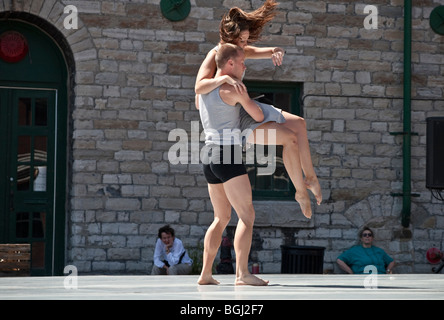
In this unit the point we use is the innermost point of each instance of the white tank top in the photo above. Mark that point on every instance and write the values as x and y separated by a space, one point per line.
221 122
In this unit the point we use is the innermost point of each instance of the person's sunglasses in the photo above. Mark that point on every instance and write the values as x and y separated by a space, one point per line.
366 235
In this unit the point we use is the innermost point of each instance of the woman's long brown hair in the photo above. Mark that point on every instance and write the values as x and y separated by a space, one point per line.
237 20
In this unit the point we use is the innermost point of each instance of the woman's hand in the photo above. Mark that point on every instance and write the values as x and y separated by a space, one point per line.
277 56
237 84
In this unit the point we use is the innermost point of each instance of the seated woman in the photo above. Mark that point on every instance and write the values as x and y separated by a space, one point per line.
355 259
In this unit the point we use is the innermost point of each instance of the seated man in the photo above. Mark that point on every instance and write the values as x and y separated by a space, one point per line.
170 256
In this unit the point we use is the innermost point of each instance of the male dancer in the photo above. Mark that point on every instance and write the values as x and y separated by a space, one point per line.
228 182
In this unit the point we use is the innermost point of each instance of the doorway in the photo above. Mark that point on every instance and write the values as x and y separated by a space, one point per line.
33 147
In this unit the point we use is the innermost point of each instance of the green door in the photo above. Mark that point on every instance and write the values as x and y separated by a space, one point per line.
33 148
27 117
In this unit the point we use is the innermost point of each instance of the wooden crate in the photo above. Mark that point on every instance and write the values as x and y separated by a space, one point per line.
15 260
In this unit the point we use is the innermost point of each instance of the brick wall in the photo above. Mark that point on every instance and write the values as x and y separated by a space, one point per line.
134 80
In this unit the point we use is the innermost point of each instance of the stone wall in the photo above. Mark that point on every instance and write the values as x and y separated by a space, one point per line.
134 79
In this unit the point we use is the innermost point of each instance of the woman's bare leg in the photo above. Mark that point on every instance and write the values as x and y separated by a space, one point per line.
290 154
298 126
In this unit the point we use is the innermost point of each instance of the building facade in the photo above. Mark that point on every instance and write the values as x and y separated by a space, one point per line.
94 94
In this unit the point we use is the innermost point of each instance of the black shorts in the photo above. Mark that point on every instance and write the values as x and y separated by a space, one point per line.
222 163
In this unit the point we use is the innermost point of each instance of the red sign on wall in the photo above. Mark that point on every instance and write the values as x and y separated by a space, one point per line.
13 46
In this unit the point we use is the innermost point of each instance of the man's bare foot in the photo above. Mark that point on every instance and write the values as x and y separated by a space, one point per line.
304 201
204 280
250 280
314 186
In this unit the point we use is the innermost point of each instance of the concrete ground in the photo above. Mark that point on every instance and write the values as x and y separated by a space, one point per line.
281 287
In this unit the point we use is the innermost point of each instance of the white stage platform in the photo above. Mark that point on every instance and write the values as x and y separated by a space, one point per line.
281 287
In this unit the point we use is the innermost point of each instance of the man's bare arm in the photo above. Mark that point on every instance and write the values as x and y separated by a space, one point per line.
230 96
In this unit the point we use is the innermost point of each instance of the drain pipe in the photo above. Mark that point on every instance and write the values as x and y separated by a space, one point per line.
406 148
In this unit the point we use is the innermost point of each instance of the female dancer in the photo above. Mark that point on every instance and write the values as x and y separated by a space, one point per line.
242 29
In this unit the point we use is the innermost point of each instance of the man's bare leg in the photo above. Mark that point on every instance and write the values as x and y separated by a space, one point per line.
213 237
238 191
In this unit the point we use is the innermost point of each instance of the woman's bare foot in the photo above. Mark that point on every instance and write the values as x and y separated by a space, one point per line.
314 186
304 201
250 280
207 280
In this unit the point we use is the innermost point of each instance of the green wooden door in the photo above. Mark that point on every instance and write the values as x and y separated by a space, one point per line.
33 149
28 169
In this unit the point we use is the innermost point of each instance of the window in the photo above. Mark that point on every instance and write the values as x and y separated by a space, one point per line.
286 96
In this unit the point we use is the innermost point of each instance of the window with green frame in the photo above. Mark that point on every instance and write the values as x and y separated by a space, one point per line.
285 96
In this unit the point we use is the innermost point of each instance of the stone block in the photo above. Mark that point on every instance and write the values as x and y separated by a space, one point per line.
122 204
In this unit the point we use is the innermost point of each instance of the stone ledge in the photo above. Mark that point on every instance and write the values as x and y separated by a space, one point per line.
283 214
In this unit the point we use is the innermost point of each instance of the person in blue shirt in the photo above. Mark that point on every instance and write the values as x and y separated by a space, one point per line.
355 259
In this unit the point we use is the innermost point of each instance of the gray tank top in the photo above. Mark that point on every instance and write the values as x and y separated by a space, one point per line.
221 122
